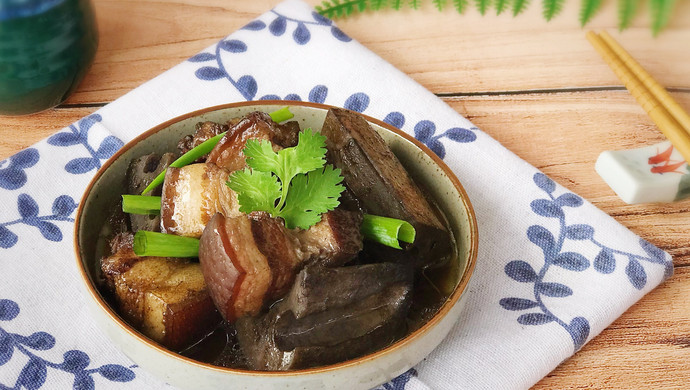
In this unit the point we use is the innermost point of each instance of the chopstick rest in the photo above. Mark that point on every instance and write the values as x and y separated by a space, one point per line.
657 173
649 174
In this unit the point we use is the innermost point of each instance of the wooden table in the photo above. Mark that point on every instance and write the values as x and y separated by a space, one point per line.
537 87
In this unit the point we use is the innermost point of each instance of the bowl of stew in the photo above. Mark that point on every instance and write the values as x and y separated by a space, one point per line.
264 305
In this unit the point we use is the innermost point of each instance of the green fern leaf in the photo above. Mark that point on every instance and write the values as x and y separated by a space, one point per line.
439 4
483 5
377 4
396 4
501 6
552 8
336 8
415 4
460 5
626 11
661 13
588 9
519 6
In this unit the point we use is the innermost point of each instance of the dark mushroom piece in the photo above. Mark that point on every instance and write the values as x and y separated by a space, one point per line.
383 187
360 310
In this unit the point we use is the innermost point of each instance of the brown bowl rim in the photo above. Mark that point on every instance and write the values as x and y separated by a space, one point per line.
443 311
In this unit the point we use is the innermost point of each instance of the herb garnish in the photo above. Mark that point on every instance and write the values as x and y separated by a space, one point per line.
292 184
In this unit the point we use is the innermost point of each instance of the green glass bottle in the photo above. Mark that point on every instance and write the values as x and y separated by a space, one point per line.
46 47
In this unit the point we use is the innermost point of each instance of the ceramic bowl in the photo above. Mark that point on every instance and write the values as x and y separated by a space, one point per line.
361 373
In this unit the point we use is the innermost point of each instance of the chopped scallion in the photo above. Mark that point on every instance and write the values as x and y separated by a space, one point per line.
164 245
140 204
205 147
387 231
281 115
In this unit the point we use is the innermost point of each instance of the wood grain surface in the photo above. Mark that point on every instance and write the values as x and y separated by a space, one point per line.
537 87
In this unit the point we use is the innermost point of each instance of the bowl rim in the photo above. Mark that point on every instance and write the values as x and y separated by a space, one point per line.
452 299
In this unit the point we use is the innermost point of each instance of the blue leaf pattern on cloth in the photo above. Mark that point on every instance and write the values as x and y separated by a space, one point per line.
301 34
395 119
28 210
605 262
357 102
553 207
202 57
210 73
520 271
27 206
571 261
425 132
254 25
535 319
34 373
556 290
233 46
517 304
293 97
579 331
400 382
80 136
579 232
636 274
318 94
278 26
339 34
12 175
320 19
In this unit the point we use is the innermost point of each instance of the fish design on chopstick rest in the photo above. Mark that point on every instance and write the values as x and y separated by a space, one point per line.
656 173
662 162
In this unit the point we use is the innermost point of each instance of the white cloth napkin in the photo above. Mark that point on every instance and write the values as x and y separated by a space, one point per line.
552 271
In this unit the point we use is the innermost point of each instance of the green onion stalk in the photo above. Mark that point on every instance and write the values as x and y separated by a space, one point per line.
148 243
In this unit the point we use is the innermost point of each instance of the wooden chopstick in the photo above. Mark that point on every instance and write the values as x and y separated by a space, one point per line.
652 85
664 120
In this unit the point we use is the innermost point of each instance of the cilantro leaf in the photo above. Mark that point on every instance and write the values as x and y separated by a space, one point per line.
292 183
260 156
311 195
309 154
256 190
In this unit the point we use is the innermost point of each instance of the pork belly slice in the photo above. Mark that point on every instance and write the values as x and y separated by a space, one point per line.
240 276
332 242
192 195
140 174
256 125
360 322
382 185
203 132
165 298
250 260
